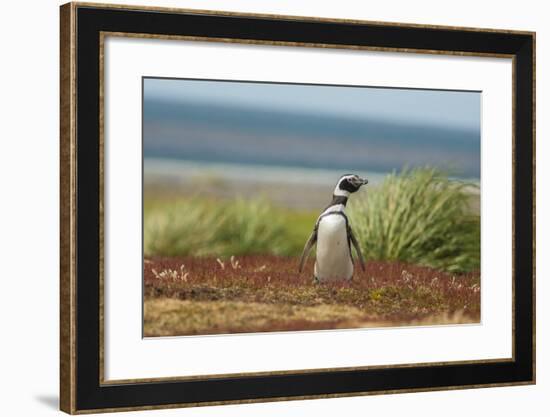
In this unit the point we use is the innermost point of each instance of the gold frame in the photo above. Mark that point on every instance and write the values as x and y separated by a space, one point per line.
68 192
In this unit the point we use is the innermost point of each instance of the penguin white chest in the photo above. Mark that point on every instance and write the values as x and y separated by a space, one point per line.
333 252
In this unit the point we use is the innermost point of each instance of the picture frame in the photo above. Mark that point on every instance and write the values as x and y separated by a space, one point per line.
84 28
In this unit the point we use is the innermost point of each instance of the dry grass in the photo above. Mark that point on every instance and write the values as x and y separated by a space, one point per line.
167 316
191 295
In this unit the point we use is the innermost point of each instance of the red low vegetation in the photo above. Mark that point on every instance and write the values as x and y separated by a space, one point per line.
386 291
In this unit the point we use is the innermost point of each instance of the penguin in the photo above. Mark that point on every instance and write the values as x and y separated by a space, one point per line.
334 236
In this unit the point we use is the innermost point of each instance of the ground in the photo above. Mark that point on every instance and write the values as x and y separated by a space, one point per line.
194 295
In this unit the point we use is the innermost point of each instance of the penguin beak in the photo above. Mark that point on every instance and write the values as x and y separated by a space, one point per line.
359 182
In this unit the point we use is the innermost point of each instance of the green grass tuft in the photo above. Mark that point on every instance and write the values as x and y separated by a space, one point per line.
198 227
419 216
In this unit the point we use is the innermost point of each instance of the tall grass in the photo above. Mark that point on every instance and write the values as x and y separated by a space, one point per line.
199 227
418 216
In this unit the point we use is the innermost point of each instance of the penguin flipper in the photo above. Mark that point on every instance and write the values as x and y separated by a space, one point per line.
357 248
307 248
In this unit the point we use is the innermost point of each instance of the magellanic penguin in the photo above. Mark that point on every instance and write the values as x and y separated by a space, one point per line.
333 235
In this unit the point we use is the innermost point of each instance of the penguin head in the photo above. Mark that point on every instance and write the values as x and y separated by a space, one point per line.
348 184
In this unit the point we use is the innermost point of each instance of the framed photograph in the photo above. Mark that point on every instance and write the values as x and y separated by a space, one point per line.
264 208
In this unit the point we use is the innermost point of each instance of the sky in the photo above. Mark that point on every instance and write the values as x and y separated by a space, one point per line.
312 126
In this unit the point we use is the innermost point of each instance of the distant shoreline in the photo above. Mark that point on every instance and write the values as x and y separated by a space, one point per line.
296 188
175 170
